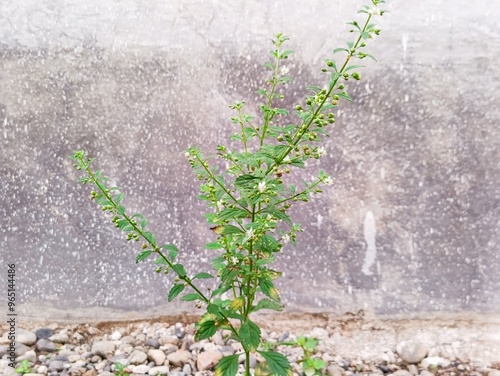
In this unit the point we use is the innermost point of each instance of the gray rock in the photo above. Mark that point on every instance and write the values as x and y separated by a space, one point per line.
56 365
179 358
44 333
401 372
103 348
128 339
152 342
28 355
435 361
412 368
3 350
157 357
426 373
44 345
412 351
187 369
140 369
161 370
494 373
137 357
25 337
283 336
334 370
59 338
207 360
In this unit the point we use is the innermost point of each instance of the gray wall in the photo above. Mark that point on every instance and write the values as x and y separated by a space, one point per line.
414 157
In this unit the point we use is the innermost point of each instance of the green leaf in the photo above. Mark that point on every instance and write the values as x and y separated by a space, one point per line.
160 261
232 214
150 238
267 304
120 210
345 96
179 269
213 245
277 362
172 251
278 214
206 330
175 290
227 366
268 289
352 67
143 256
144 222
249 334
246 181
229 229
203 275
191 297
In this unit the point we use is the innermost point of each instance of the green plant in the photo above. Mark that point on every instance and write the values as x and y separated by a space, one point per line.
311 365
23 367
249 201
120 369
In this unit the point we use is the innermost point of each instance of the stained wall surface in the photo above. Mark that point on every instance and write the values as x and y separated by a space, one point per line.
411 223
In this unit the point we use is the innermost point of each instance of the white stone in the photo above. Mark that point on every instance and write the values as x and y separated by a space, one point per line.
435 361
157 356
412 351
208 359
116 335
25 337
103 348
137 357
179 357
59 338
161 370
141 369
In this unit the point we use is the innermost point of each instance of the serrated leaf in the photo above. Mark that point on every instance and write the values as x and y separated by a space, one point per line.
144 222
206 330
179 269
172 251
351 67
249 335
213 245
150 237
345 96
227 366
267 304
143 256
268 289
277 362
175 290
203 275
340 49
120 210
191 297
229 229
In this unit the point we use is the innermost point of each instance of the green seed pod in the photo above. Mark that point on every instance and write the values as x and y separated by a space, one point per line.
341 86
329 63
298 107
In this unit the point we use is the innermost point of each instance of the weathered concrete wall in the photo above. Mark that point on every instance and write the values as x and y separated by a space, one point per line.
411 224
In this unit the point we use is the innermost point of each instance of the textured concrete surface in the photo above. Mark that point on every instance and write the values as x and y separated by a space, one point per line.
410 225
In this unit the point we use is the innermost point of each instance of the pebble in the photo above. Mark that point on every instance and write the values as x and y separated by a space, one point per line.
25 337
160 349
103 348
412 351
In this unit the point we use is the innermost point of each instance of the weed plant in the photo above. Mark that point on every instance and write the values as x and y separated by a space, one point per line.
249 194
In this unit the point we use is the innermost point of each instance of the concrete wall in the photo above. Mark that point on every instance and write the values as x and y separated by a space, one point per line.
410 225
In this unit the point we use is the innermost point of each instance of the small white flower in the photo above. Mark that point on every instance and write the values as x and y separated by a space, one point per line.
284 70
220 205
287 159
234 260
321 151
248 234
328 181
186 154
262 186
375 11
285 239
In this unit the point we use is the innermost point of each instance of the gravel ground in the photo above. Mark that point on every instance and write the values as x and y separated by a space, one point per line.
351 344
